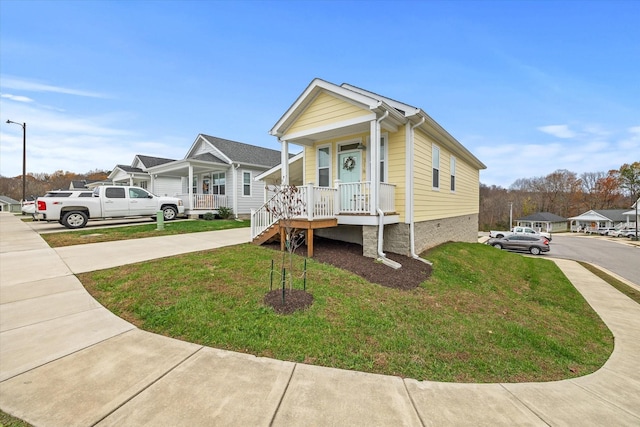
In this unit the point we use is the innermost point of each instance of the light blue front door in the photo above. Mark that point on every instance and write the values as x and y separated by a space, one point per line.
352 197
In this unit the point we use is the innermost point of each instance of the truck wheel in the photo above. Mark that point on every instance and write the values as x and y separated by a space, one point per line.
75 219
497 245
169 213
534 250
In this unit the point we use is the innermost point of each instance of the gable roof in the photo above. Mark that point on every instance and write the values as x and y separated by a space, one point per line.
543 217
8 200
127 168
394 114
239 152
615 215
149 161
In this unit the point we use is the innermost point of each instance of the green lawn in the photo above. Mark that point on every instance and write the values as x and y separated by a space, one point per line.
94 235
483 316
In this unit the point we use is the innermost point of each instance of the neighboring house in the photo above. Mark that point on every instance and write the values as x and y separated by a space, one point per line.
376 172
633 216
84 184
216 173
544 221
7 204
591 220
136 174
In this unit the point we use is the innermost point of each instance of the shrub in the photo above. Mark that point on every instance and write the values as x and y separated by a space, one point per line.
225 212
209 216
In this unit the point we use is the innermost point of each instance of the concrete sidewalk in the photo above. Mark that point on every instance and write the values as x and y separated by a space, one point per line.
67 361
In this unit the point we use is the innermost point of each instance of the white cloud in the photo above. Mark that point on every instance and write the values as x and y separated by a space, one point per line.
559 131
31 86
16 98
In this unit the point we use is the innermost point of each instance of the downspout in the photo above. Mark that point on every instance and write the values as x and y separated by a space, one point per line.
376 162
412 222
235 190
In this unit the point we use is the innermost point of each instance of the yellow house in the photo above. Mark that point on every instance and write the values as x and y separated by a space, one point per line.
374 171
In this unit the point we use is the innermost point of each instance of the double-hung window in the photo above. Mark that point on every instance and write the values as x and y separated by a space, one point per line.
219 182
246 183
324 166
453 173
435 161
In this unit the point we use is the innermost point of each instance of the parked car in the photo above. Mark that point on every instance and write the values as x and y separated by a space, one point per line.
626 232
527 231
604 231
517 242
73 211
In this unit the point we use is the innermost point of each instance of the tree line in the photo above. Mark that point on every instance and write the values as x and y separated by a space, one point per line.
37 184
562 192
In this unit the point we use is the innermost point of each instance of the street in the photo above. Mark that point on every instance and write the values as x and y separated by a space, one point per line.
617 255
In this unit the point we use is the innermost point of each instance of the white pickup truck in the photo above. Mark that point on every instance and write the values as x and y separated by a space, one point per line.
109 201
519 230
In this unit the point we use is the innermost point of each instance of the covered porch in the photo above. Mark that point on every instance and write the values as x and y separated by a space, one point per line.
347 203
201 185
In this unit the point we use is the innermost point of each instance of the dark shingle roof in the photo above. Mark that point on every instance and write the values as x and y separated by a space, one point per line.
128 168
613 214
149 161
240 152
8 200
543 217
209 158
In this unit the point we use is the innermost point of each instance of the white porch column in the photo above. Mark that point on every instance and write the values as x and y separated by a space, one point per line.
153 183
375 165
284 170
190 187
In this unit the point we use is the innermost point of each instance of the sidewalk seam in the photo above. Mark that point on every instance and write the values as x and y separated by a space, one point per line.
532 410
284 392
133 396
413 404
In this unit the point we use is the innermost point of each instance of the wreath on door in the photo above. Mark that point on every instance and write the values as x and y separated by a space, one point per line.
349 163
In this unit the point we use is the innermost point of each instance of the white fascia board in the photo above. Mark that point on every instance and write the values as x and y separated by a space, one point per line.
278 167
314 88
431 127
408 109
333 126
216 152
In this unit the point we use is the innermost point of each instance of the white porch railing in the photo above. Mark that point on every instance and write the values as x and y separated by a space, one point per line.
323 202
204 201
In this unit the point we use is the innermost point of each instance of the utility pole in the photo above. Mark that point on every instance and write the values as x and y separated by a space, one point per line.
24 157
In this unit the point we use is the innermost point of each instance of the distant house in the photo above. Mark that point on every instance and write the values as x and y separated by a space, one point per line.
633 215
591 220
136 174
214 173
376 172
7 204
544 221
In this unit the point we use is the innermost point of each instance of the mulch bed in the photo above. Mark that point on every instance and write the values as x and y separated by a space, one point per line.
348 256
295 299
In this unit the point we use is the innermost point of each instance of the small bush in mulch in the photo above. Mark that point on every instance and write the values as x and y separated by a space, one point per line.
348 256
295 299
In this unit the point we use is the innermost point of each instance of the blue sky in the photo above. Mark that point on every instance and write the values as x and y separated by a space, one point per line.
529 87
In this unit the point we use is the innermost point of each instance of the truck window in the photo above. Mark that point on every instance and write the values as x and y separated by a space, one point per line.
137 193
114 193
85 194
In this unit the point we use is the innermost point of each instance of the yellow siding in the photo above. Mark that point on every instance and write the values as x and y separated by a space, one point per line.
324 110
397 168
434 204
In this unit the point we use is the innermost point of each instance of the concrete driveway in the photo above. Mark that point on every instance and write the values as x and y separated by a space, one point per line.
617 255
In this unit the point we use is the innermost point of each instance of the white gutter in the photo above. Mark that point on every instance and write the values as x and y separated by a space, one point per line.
376 161
235 189
410 191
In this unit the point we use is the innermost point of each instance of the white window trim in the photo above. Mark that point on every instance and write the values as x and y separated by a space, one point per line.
330 167
250 184
384 136
433 152
452 173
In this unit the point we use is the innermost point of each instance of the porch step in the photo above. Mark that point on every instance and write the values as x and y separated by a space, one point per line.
270 233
